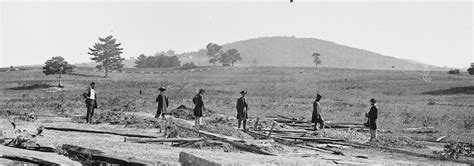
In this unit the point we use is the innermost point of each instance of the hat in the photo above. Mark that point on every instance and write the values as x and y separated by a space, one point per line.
162 88
243 92
318 96
202 91
373 100
92 83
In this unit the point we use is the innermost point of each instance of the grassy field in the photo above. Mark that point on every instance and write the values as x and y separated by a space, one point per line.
405 98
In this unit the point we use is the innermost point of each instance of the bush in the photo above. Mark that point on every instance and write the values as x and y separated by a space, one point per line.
189 65
453 71
471 70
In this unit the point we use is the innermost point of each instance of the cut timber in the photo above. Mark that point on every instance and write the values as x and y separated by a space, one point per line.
287 131
440 138
98 155
151 140
256 124
284 117
327 149
227 140
98 132
420 130
41 158
270 132
290 121
312 138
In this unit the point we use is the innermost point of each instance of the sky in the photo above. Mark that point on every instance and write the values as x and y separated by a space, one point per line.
433 32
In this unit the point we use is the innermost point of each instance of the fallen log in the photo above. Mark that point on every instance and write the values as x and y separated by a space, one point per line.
35 157
227 140
98 132
327 149
100 156
152 140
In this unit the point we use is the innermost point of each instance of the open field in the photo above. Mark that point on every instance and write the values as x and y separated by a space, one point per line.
406 99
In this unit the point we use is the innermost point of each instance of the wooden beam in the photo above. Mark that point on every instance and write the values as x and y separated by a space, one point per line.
152 140
35 157
288 131
312 138
256 124
227 140
270 132
99 155
98 132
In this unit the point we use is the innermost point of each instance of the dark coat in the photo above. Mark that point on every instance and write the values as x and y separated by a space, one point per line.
162 103
90 102
372 115
316 117
198 105
242 108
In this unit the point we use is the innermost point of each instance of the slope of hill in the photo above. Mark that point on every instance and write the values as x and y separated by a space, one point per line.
292 51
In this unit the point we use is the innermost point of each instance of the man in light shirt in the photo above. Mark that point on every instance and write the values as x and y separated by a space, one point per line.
91 102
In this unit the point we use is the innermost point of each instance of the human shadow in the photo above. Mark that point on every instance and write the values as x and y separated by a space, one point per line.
31 87
469 90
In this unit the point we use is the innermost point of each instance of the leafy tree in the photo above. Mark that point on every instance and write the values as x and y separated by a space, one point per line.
157 61
107 52
230 57
57 65
471 70
316 59
215 52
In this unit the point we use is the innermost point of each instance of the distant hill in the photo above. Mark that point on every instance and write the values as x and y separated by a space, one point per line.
292 51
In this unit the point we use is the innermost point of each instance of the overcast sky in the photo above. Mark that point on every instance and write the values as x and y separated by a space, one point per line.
432 32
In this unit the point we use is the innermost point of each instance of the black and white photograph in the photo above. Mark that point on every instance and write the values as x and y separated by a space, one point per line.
236 82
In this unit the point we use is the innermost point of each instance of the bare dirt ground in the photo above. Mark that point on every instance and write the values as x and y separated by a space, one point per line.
165 154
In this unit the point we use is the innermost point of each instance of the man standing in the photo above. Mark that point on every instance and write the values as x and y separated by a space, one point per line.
162 103
242 109
316 118
91 102
198 107
372 115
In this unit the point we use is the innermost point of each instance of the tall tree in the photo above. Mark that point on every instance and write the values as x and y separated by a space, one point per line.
214 52
316 59
107 52
234 56
230 57
57 65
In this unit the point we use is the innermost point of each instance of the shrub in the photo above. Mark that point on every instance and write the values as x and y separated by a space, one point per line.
189 65
471 70
453 71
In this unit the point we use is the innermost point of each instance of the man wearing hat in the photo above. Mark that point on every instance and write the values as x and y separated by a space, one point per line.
198 107
242 109
91 102
372 115
162 101
316 118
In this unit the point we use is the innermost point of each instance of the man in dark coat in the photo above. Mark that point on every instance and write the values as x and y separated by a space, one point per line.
372 116
242 109
198 106
316 118
163 103
91 102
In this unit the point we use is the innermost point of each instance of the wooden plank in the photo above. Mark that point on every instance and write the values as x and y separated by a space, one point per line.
151 140
36 157
288 131
312 138
99 155
98 132
290 121
225 139
270 132
256 124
